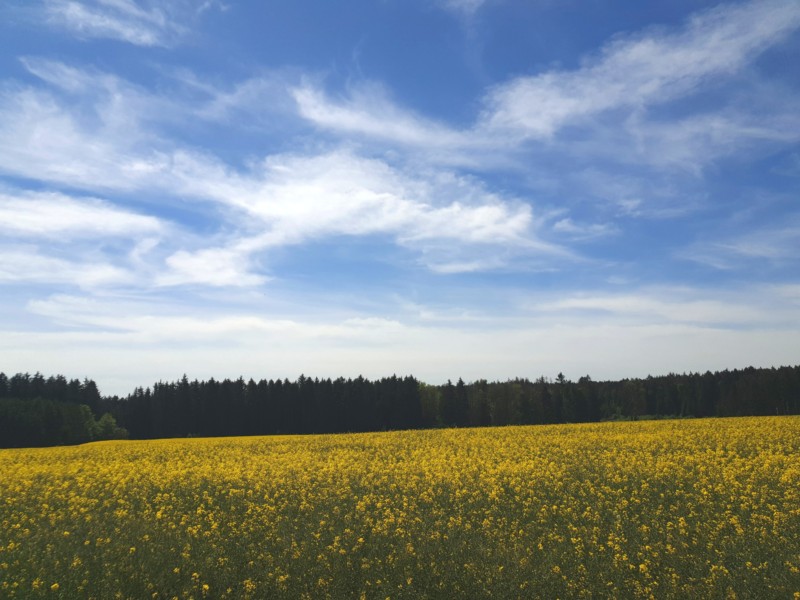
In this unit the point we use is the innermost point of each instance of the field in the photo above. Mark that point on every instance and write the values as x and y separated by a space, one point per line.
665 509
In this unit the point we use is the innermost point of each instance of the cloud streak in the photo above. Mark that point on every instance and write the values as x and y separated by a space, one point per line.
453 222
449 219
634 73
368 111
27 264
50 214
138 23
623 97
773 245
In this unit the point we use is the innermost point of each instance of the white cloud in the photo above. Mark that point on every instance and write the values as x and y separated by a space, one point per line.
632 193
148 322
368 111
26 264
40 141
339 193
583 231
293 199
59 240
255 96
95 97
96 132
650 69
608 109
649 308
118 20
452 221
139 23
103 141
765 306
66 77
58 215
343 193
450 266
262 99
102 103
287 199
691 143
210 266
775 245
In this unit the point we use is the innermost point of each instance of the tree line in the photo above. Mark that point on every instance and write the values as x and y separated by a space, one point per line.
35 411
238 407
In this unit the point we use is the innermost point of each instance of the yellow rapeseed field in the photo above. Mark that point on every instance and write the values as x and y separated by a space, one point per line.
661 509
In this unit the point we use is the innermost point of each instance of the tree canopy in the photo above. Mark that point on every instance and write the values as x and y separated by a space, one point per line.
35 410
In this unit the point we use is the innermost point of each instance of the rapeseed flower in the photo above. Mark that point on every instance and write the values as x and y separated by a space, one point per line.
669 509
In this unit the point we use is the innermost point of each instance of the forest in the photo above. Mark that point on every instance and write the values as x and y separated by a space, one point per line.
39 411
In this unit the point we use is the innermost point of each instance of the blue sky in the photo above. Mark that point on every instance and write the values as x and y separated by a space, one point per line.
444 188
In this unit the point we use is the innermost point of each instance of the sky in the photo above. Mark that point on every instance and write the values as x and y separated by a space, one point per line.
442 188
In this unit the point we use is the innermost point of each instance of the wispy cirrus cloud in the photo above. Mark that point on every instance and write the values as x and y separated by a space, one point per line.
584 231
774 245
691 143
29 264
343 193
367 112
82 127
635 72
637 194
229 266
264 98
57 239
98 132
761 306
142 23
621 98
147 321
52 214
453 223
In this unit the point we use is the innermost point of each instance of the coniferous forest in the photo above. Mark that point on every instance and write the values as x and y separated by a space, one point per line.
39 411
